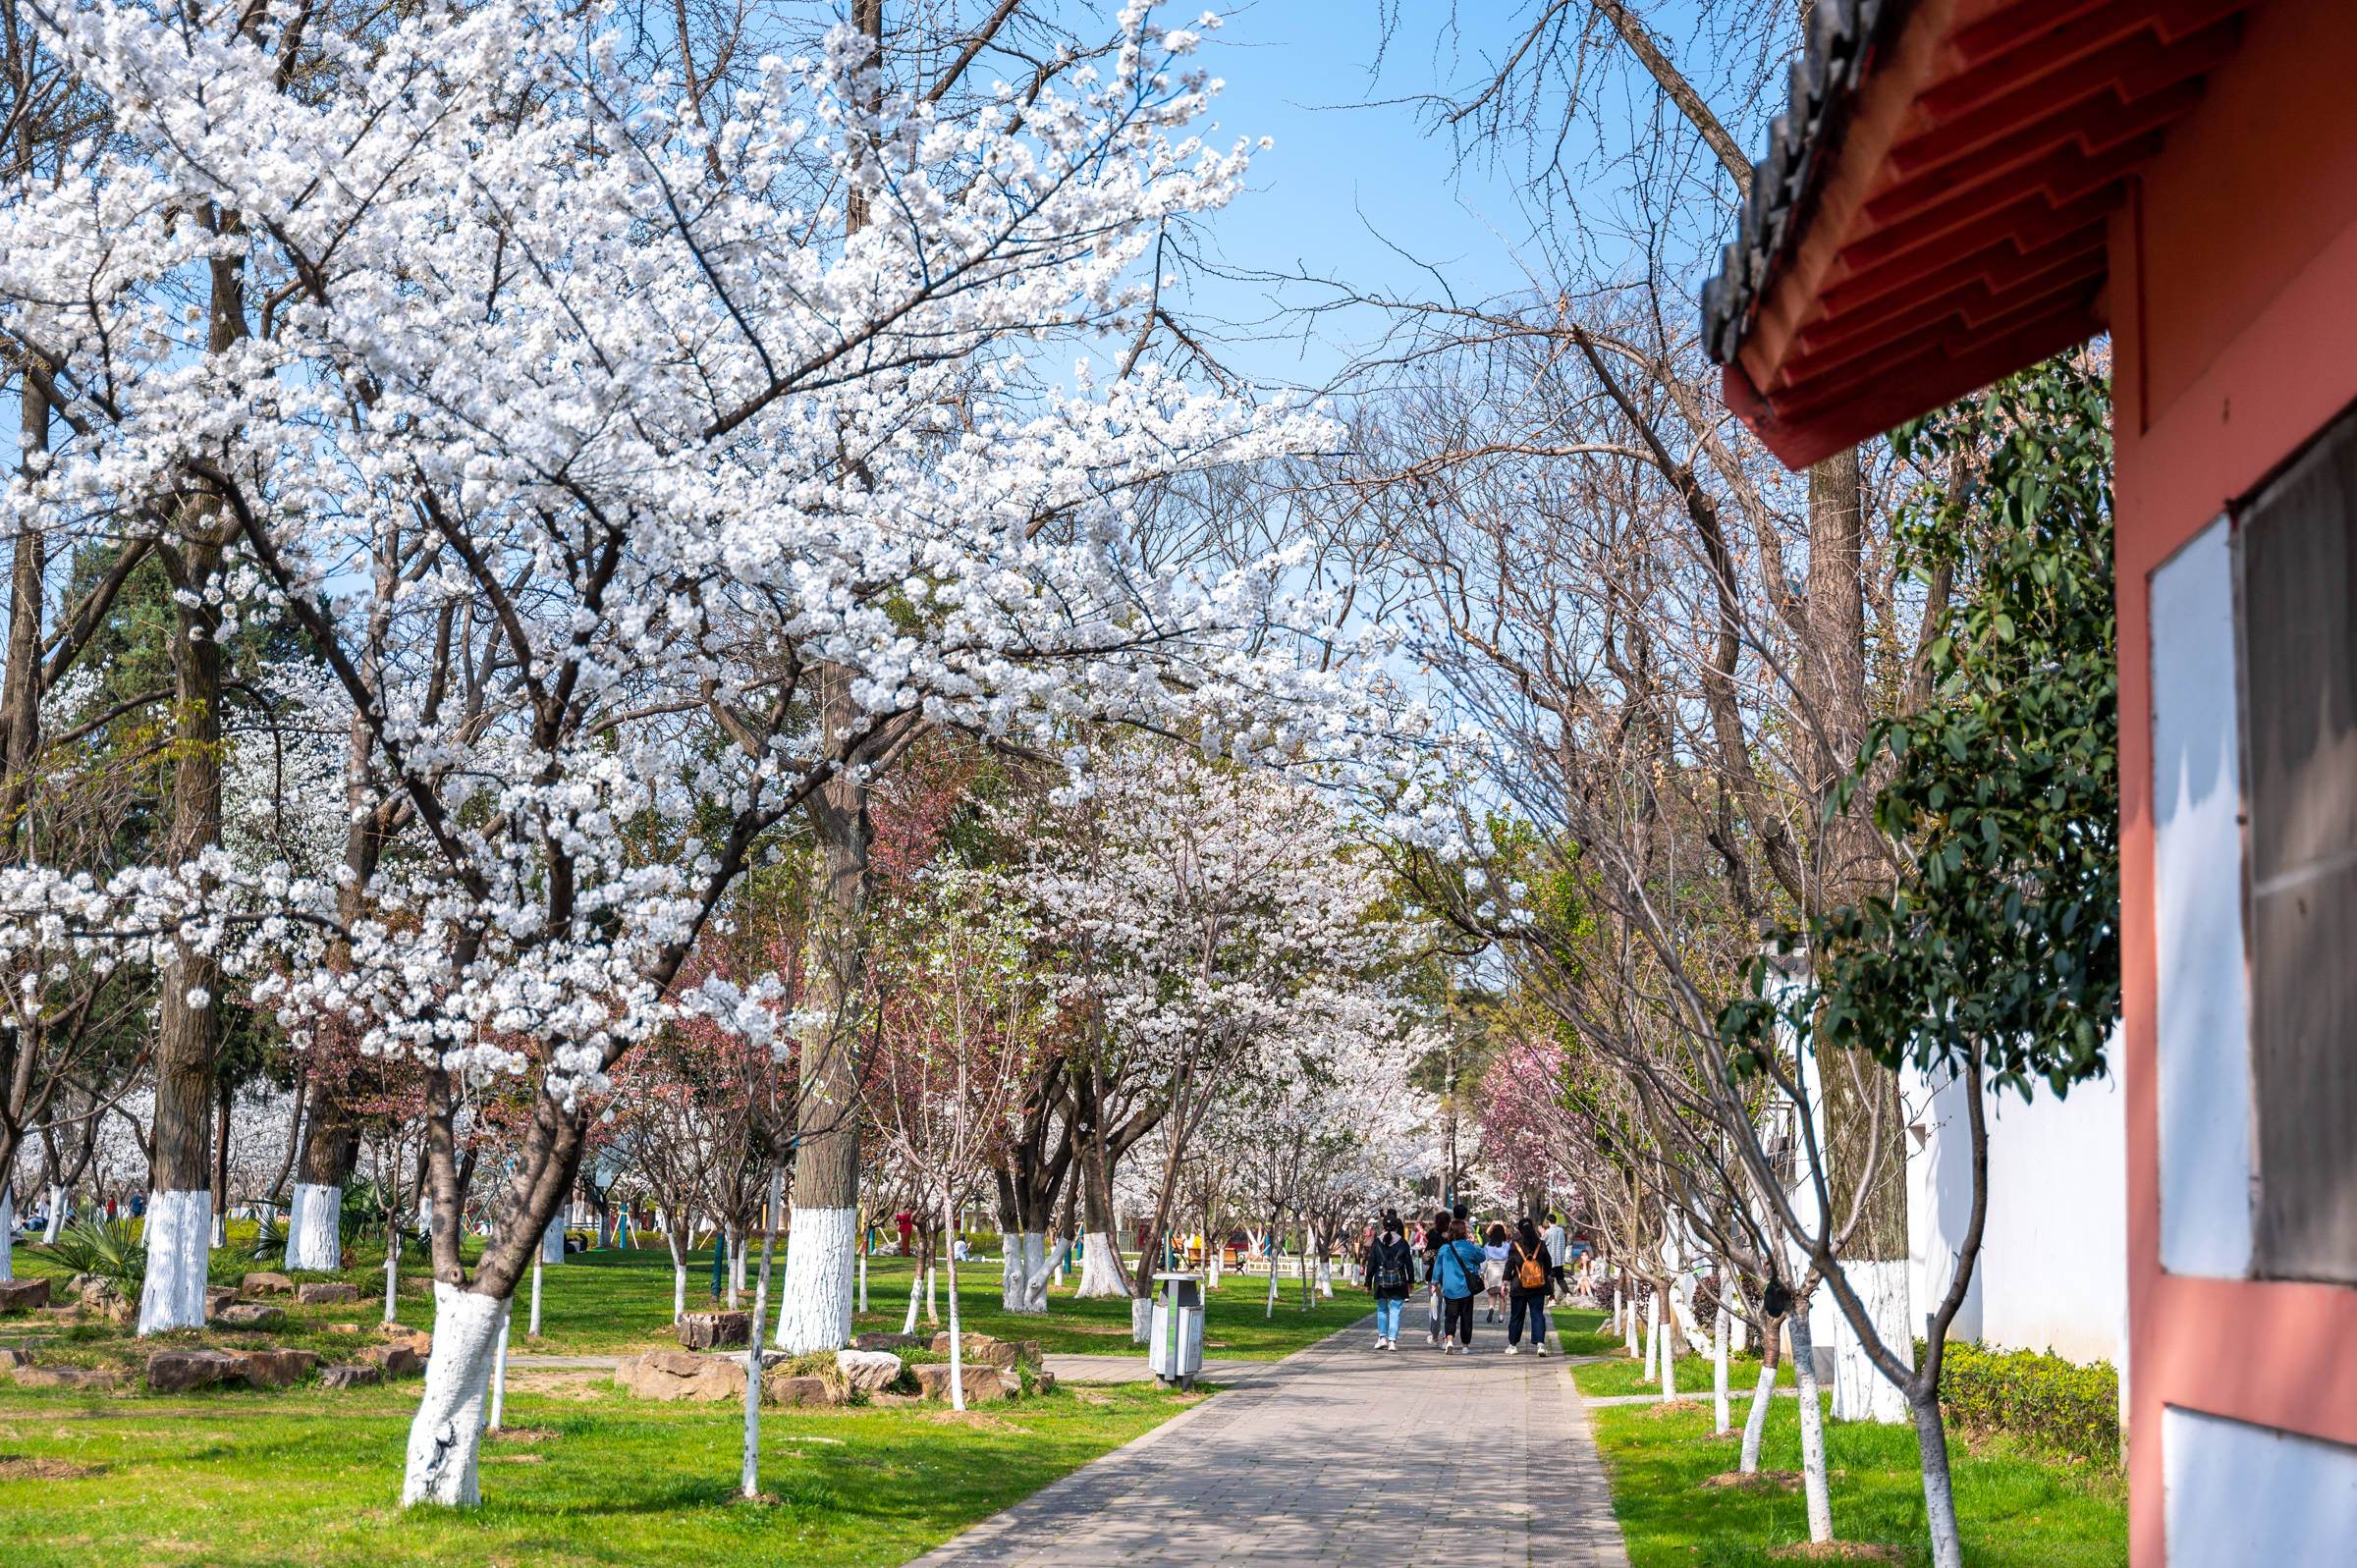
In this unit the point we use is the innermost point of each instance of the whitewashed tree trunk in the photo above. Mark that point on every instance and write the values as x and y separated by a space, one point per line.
1142 1315
1755 1421
315 1238
178 1234
221 1229
1325 1280
750 1480
534 1330
1719 1409
8 1233
1812 1430
1938 1487
57 1214
551 1246
916 1290
862 1277
392 1267
932 1307
814 1304
447 1432
678 1276
1100 1273
956 1337
1026 1272
1011 1272
1628 1326
1653 1336
1215 1270
499 1368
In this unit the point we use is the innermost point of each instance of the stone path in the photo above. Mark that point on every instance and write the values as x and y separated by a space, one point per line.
1338 1454
1133 1369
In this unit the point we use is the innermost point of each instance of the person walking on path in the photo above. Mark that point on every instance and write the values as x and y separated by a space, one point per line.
1493 1248
1436 1236
1531 1272
1459 1275
1558 1248
1390 1274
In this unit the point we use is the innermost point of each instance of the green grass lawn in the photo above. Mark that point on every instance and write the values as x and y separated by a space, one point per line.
2018 1509
311 1477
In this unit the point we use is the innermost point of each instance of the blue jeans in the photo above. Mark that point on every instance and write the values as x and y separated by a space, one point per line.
1387 1316
1534 1306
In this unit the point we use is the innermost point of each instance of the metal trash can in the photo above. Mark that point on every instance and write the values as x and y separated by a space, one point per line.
1175 1347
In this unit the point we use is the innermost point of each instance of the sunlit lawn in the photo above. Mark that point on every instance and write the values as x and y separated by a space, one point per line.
311 1477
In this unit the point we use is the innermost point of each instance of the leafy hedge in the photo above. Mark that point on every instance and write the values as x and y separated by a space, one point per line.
2043 1398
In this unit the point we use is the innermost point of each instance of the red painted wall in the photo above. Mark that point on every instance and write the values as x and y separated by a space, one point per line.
2234 302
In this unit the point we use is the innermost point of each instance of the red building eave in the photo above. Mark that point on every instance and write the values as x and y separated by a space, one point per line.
1933 209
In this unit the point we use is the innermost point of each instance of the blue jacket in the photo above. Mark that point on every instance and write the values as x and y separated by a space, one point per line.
1459 1267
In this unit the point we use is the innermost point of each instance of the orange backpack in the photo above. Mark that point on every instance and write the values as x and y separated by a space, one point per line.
1532 1276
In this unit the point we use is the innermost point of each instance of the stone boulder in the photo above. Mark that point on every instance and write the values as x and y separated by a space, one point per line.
175 1372
420 1342
670 1375
217 1297
1005 1354
10 1358
891 1342
250 1314
278 1369
981 1383
349 1376
325 1293
710 1330
868 1369
23 1295
266 1285
394 1361
64 1378
780 1390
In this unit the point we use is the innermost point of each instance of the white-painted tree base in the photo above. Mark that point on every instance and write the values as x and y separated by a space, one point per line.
814 1304
179 1236
1100 1275
1860 1391
314 1240
1755 1421
1141 1318
448 1431
8 1236
1024 1275
57 1216
552 1248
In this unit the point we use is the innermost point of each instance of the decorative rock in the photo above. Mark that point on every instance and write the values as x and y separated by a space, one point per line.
418 1339
709 1331
64 1378
217 1297
783 1391
12 1358
1043 1381
261 1283
868 1369
248 1313
349 1376
23 1295
395 1361
1002 1353
891 1342
343 1327
278 1369
670 1375
325 1292
175 1372
982 1383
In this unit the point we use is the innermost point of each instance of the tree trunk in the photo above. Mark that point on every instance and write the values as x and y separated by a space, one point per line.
957 1336
814 1303
330 1145
1812 1425
751 1481
446 1433
1939 1489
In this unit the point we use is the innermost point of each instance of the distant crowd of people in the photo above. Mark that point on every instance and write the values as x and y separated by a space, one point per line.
1517 1271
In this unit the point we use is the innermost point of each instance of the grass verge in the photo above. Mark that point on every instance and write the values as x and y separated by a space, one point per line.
592 1477
2017 1509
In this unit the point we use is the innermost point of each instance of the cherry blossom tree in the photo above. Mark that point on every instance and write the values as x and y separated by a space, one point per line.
707 504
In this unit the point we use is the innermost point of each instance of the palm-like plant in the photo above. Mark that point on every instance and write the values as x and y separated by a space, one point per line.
112 1249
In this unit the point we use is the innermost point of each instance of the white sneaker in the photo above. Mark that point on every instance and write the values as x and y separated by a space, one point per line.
1514 1350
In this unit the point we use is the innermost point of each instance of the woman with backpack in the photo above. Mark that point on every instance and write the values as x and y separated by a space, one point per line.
1390 1274
1530 1273
1459 1274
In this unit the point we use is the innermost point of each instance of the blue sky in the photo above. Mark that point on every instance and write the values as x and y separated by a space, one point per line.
1354 185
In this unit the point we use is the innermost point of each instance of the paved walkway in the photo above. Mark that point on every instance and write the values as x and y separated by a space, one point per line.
1336 1455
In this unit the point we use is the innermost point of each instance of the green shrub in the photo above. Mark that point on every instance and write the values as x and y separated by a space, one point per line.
2041 1398
111 1249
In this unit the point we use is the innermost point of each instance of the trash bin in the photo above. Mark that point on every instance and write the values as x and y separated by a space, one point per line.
1174 1350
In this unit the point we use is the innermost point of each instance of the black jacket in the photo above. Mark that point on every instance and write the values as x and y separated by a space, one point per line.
1513 1271
1394 1251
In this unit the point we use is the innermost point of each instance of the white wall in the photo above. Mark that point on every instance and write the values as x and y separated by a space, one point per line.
2053 1267
2201 1013
2237 1495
